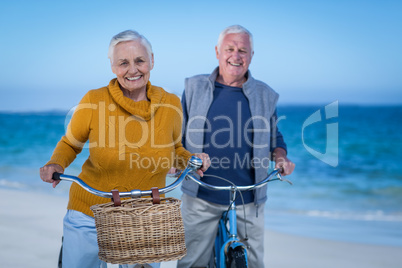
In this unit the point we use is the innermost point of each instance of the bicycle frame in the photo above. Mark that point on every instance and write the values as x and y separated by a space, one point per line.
227 235
226 238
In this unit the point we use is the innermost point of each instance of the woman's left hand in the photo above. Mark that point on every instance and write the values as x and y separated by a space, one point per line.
206 162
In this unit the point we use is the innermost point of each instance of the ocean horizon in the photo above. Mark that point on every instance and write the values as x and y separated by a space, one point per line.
347 184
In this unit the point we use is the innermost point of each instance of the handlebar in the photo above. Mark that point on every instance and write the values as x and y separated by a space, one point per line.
193 164
274 175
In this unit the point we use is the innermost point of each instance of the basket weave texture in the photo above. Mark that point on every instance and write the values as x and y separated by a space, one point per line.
139 231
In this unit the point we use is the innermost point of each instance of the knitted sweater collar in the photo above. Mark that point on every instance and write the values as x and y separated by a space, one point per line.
144 109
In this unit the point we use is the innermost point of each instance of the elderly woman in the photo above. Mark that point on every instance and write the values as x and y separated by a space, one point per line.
134 134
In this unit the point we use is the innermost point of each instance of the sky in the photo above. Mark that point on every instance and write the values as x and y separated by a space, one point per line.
310 52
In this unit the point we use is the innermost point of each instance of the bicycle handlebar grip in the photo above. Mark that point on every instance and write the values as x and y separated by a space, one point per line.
56 176
281 170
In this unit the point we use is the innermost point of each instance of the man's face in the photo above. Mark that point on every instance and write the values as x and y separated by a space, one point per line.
234 55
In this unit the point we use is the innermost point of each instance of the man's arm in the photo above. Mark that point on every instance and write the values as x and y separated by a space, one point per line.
279 148
185 118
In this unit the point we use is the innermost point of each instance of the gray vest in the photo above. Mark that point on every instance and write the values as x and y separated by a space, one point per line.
262 100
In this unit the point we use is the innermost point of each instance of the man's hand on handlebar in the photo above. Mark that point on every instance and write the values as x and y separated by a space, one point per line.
206 162
282 162
46 173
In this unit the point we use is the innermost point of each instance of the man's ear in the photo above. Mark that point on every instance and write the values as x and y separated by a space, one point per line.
217 52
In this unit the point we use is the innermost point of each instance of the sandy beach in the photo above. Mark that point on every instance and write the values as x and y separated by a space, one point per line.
31 231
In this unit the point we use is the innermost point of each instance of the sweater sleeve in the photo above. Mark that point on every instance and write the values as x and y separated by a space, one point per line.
77 134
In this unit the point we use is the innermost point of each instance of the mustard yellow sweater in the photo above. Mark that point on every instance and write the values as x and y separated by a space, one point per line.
132 145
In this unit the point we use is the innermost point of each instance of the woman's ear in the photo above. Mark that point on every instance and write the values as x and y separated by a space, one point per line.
112 67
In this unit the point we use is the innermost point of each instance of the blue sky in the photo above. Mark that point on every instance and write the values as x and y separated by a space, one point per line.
53 52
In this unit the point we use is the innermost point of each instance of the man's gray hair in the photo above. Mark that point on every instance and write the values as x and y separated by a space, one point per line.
129 35
234 29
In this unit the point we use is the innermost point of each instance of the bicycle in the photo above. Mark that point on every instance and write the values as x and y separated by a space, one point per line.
108 220
229 251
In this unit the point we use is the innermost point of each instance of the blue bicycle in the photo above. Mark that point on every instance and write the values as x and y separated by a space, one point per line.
229 251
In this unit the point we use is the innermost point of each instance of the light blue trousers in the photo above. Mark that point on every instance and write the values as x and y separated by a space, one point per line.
80 245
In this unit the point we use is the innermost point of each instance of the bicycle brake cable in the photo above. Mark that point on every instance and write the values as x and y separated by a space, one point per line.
242 200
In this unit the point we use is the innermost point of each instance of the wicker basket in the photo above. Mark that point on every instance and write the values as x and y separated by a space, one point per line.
139 231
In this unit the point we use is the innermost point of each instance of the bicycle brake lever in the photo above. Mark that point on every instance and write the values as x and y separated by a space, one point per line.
176 174
288 181
282 179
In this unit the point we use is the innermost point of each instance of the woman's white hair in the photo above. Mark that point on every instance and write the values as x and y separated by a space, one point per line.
234 29
129 35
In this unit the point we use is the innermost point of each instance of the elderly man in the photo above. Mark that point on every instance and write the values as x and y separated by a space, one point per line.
232 117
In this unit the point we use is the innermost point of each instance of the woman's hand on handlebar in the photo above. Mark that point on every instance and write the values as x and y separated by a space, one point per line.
46 173
206 162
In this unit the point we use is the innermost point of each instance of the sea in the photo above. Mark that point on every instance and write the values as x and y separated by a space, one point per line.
347 184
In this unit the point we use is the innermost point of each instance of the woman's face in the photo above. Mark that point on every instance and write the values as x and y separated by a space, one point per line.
132 65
